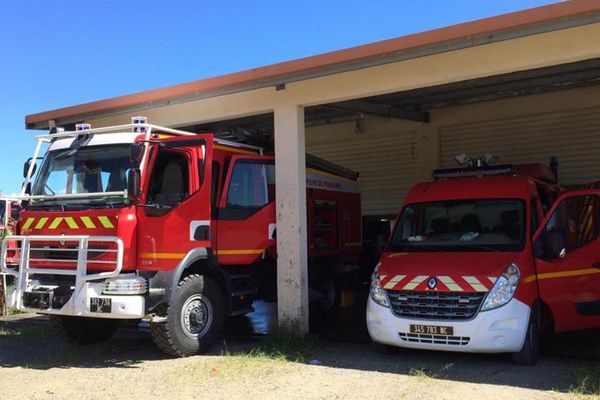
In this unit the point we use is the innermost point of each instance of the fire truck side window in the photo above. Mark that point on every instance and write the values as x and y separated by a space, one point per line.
169 183
249 185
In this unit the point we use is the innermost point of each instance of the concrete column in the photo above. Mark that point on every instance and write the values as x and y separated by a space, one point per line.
292 259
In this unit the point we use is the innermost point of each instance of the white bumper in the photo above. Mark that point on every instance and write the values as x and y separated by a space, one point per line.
496 331
123 306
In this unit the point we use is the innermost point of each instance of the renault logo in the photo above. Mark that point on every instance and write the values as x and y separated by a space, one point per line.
62 240
432 283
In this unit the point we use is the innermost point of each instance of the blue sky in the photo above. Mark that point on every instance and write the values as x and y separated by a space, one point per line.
58 53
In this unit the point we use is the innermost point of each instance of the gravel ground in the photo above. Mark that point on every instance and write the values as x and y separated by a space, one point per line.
33 365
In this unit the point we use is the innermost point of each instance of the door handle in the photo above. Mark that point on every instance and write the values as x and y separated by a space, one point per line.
596 264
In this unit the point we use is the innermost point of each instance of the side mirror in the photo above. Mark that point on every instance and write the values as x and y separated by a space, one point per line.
136 152
133 180
554 244
26 167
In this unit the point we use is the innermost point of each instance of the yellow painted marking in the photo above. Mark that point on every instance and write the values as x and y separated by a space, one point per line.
71 222
475 283
163 256
105 222
28 223
55 223
382 277
394 281
41 223
415 282
562 274
449 282
238 252
529 279
492 279
87 221
234 149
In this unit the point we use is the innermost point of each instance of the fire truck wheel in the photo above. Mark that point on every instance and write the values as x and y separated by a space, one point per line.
83 330
530 352
194 318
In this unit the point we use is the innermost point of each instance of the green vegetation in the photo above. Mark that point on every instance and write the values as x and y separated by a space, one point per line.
29 331
426 373
587 381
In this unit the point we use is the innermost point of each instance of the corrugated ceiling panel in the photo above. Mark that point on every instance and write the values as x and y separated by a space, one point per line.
385 161
573 136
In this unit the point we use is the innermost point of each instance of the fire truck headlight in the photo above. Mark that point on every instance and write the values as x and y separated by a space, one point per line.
377 293
504 289
125 285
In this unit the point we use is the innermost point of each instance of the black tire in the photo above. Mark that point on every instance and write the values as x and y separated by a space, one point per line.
530 352
194 318
83 330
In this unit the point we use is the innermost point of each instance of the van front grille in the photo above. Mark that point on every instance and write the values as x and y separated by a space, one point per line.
435 305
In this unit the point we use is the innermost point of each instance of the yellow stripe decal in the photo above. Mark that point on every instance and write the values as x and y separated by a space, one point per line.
87 221
449 282
475 283
163 256
238 252
562 274
492 279
415 282
55 223
394 281
28 223
41 223
71 222
105 222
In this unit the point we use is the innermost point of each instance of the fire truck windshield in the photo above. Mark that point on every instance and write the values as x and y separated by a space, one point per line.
461 225
90 169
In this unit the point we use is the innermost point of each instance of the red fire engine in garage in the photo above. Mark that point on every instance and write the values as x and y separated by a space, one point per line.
483 259
145 222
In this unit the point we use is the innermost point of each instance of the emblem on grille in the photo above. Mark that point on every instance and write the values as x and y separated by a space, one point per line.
62 241
432 283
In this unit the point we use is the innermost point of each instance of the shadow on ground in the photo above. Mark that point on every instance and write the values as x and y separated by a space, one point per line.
342 342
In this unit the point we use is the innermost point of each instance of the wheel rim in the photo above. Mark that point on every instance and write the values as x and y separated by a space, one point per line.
196 316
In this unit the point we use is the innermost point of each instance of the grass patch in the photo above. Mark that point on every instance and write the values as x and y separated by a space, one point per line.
286 345
427 373
587 381
28 331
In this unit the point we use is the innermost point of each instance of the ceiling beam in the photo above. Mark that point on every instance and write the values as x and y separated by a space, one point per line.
380 110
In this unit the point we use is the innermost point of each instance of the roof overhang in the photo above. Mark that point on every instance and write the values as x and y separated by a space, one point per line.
480 32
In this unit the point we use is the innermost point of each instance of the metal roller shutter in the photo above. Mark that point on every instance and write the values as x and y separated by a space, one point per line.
385 161
573 136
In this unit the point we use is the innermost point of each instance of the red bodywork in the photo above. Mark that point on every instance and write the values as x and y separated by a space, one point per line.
568 288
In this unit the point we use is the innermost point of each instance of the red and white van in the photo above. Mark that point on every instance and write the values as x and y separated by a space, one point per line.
484 260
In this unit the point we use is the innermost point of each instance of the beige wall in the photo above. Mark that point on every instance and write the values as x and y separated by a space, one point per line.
392 155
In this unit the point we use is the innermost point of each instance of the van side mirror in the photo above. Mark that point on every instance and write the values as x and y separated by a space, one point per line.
26 167
136 152
133 178
551 245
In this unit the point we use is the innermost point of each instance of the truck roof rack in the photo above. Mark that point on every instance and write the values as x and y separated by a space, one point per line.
473 171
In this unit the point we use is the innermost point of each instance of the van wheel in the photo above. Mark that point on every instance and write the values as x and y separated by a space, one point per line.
530 352
83 330
194 318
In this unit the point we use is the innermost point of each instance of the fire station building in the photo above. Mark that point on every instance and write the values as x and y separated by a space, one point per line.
522 86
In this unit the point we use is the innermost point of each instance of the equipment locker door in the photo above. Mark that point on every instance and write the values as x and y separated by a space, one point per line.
246 213
567 249
175 211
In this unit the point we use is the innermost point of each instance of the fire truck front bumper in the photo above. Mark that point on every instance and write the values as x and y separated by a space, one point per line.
495 331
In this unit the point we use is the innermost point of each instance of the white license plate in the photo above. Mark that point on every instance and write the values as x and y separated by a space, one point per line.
432 330
100 305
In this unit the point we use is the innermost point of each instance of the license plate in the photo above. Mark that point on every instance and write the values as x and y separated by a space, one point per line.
432 330
101 305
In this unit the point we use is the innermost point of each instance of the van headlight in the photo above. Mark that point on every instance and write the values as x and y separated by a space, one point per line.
125 284
504 289
377 293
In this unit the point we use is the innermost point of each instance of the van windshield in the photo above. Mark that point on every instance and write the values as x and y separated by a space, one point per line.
461 225
93 169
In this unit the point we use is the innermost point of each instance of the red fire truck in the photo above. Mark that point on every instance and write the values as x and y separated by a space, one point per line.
483 259
145 222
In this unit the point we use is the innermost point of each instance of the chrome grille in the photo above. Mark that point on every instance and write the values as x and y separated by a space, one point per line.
435 305
434 339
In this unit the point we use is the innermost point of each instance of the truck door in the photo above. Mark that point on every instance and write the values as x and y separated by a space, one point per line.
175 212
567 250
246 213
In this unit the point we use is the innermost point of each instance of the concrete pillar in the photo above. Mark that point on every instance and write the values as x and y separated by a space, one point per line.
292 259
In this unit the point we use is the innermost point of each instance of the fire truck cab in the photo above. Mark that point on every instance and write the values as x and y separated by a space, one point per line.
145 222
484 259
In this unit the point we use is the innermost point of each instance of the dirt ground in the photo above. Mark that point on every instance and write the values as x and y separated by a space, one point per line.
33 365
